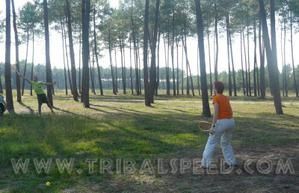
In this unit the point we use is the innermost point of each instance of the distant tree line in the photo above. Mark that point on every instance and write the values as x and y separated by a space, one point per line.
63 84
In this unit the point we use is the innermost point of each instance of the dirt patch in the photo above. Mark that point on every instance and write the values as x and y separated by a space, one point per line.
212 183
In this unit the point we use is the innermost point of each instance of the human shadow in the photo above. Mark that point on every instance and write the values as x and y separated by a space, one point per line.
31 111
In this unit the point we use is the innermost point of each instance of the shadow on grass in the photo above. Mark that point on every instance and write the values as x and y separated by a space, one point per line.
31 111
123 133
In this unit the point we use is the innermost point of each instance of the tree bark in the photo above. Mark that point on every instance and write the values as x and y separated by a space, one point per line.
111 64
85 50
67 58
216 42
48 61
210 64
26 61
271 56
131 68
145 54
153 69
262 64
32 65
233 65
91 69
228 56
64 62
246 65
242 64
18 81
123 69
9 96
96 52
172 54
72 53
292 56
204 85
255 61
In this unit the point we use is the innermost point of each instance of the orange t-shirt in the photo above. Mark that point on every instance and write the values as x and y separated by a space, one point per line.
225 110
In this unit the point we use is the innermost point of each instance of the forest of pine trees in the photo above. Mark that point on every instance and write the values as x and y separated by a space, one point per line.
154 35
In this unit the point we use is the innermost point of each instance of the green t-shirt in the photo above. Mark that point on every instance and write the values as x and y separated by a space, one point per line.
38 87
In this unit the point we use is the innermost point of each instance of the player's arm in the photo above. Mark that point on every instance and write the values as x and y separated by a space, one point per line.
216 113
49 83
215 117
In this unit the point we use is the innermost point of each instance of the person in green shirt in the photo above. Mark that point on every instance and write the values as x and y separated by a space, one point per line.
38 88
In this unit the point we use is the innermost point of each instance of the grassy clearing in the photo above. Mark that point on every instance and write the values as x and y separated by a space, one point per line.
121 127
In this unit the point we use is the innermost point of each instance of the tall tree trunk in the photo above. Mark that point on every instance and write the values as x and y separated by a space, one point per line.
228 56
18 81
183 66
255 60
177 68
188 68
96 52
72 53
111 64
249 62
292 56
116 70
271 55
64 62
137 74
26 60
48 61
233 65
198 76
210 64
172 54
9 96
123 69
284 62
158 65
153 69
91 69
139 67
85 50
67 59
131 68
204 86
80 60
216 42
167 64
242 64
246 66
262 63
145 54
32 65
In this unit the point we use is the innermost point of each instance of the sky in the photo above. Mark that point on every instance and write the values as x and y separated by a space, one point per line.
56 48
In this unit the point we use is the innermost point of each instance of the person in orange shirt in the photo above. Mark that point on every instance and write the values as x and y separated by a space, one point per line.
221 130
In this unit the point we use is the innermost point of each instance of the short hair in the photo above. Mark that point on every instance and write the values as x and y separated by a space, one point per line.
219 87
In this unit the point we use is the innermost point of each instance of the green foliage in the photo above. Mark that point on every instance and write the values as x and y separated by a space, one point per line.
29 20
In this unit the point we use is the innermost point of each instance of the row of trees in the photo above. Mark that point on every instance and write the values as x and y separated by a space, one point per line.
62 81
148 25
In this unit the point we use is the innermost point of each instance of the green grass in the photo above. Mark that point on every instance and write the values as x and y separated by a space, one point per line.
121 127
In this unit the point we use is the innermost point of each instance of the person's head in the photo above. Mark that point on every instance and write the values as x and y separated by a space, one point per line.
218 87
35 78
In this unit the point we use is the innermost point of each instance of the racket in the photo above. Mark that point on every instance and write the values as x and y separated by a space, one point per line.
204 126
